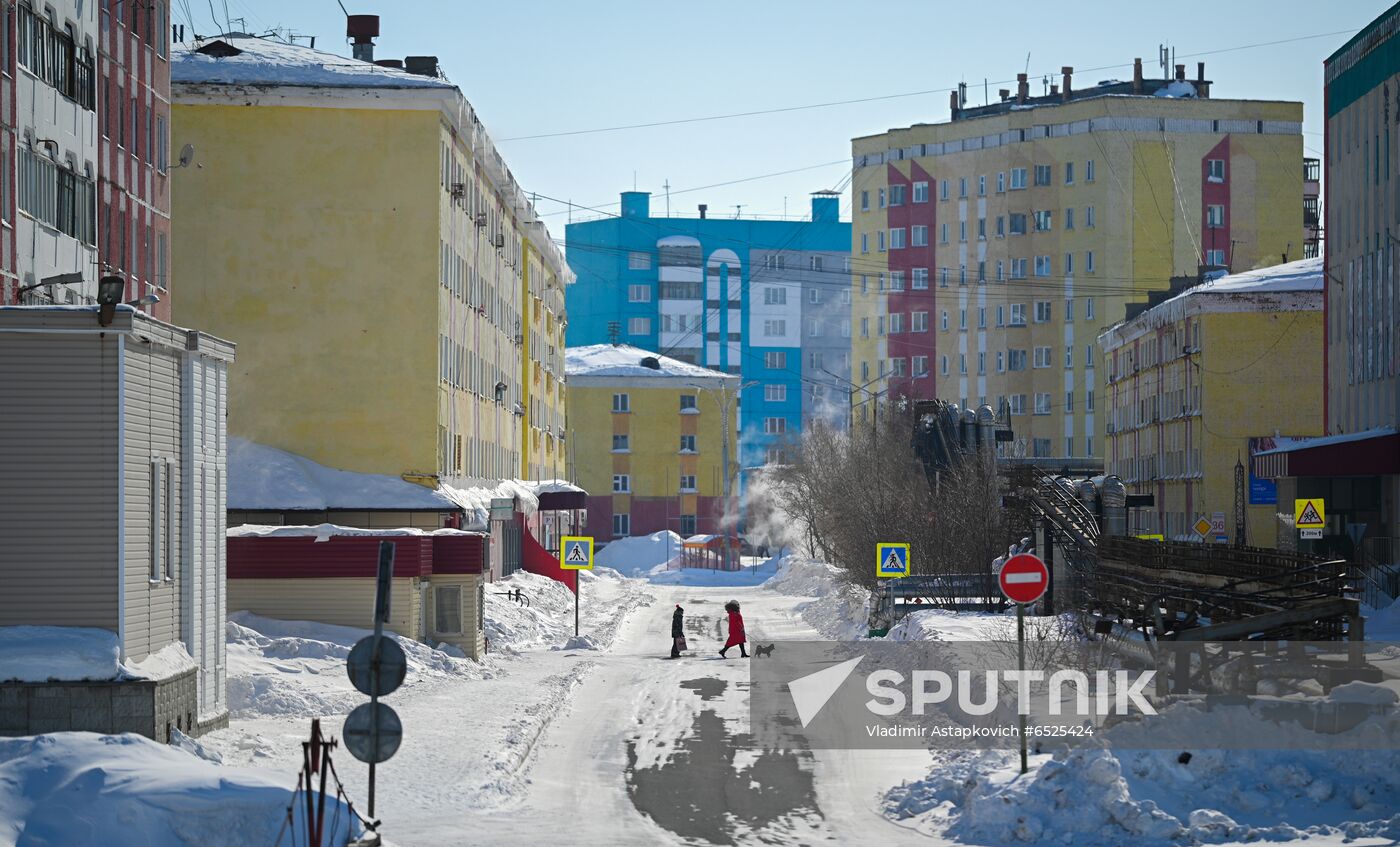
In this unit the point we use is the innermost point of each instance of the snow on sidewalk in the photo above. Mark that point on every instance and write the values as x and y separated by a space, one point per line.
838 610
80 788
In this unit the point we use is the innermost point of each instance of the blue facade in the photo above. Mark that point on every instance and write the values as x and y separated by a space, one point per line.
766 299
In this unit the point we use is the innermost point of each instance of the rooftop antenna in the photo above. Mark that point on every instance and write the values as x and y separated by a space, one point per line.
614 332
1028 63
667 186
986 92
738 210
1164 59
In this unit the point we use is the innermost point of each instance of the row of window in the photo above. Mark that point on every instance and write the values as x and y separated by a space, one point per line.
689 256
621 443
622 525
57 196
1013 223
476 457
54 56
1044 175
622 484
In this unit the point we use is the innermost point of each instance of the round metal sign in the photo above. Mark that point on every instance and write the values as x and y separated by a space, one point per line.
393 666
1024 578
372 733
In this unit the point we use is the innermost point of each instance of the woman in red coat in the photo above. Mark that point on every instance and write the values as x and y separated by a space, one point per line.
736 629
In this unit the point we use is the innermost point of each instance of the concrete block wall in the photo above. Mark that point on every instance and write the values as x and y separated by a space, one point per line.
144 707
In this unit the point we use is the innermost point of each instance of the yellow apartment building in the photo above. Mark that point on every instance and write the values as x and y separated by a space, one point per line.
646 441
353 227
988 251
1195 381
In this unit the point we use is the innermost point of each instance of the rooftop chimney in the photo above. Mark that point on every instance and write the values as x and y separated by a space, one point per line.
1137 76
362 30
390 63
1202 87
1054 89
1004 94
421 65
953 103
1064 89
703 209
1180 73
1023 88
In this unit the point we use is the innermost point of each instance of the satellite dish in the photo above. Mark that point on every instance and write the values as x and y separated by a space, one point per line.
186 155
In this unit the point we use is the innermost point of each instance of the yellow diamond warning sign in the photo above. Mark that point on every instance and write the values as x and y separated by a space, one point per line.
1309 514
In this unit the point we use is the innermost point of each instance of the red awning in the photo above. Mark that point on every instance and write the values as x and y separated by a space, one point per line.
1369 453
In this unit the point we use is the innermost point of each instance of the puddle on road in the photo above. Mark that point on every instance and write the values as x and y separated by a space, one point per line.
713 787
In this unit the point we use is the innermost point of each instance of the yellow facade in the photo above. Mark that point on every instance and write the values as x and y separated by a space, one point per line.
1120 185
1191 381
370 251
642 445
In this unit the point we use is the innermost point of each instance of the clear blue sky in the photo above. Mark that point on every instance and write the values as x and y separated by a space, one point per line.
542 67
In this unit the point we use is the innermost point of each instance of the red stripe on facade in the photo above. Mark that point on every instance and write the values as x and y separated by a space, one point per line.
1216 194
908 344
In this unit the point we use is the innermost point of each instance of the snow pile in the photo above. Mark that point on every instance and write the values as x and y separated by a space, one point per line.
641 553
476 499
1099 795
945 625
579 642
75 653
1176 89
262 478
128 791
839 611
547 623
297 668
1382 624
626 360
756 573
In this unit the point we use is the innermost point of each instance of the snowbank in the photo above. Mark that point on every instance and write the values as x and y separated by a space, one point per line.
547 620
475 500
75 653
262 478
839 611
1100 795
639 554
1382 624
945 625
626 360
128 791
756 574
297 668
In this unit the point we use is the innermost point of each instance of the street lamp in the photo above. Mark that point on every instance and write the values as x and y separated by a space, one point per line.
75 278
851 395
110 290
724 405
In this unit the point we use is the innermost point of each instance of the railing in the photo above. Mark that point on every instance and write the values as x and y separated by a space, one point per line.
1378 560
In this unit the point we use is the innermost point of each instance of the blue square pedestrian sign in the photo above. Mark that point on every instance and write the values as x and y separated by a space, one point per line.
891 560
576 553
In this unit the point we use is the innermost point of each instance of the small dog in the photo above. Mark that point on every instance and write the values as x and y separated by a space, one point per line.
760 651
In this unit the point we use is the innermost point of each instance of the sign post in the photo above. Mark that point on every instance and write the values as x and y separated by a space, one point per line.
1023 580
891 562
576 554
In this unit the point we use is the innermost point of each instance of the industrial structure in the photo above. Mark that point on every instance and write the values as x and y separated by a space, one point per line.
420 335
988 251
766 299
654 441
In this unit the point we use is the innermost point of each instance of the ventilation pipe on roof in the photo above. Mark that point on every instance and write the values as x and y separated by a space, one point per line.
1067 72
1202 87
362 30
953 104
1023 88
1180 73
703 209
1137 76
1004 94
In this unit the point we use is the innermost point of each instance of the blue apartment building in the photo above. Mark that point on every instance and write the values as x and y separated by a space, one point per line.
769 300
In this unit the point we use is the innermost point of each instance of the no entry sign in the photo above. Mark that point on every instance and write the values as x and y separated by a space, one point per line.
1024 578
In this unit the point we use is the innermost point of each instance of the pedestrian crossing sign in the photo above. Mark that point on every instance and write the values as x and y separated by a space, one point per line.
576 553
891 560
1309 514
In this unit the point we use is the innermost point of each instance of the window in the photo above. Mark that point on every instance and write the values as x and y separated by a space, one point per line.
638 261
962 319
1069 218
775 360
1215 170
896 323
897 367
865 201
1018 404
880 281
943 233
639 294
1042 311
639 326
1215 216
53 56
943 365
865 242
622 483
619 443
774 295
1001 270
775 328
1069 173
1089 355
1018 268
896 195
1001 181
943 189
1043 221
897 238
1089 216
621 403
881 194
865 370
919 236
921 366
1018 223
1016 360
880 324
1018 314
162 539
1001 362
962 231
687 483
1069 356
1089 308
919 321
1042 357
775 393
688 402
981 363
865 327
58 197
896 280
943 320
1040 448
162 140
622 525
687 444
1042 403
162 262
1089 400
1069 264
816 263
1042 174
1069 402
981 229
942 277
880 241
1089 171
1215 257
982 186
921 192
447 608
1088 263
774 426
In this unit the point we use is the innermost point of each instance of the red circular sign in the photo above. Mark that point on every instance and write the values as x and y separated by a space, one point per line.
1024 578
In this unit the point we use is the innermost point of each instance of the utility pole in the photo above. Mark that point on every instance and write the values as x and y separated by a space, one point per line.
667 186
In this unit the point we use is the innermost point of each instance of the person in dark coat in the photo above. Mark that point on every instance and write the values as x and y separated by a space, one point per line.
677 631
736 629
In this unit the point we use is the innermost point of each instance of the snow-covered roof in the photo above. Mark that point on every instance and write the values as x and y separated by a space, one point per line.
262 61
329 530
624 360
262 478
1327 440
1301 275
73 653
677 241
476 499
